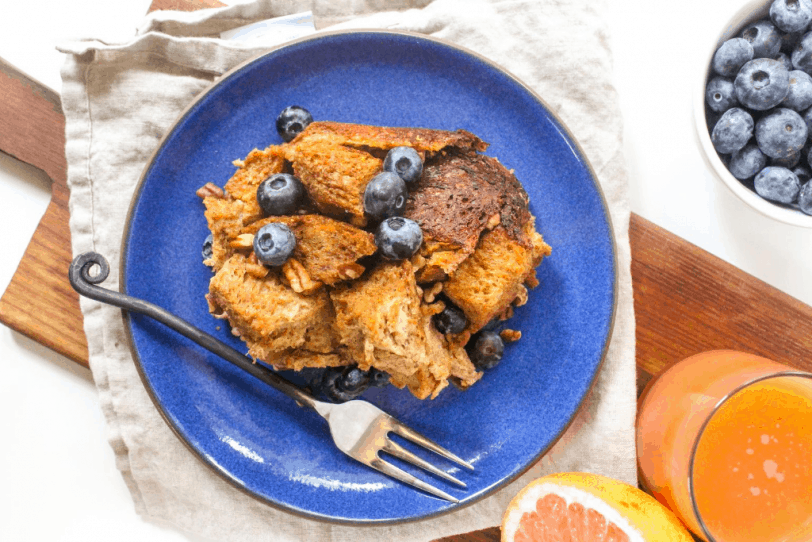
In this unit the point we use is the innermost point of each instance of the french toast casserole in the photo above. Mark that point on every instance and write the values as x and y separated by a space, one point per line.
336 302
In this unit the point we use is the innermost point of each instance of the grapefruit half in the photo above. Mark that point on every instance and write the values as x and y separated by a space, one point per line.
583 507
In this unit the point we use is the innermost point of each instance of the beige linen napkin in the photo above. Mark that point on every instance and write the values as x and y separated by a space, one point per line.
119 99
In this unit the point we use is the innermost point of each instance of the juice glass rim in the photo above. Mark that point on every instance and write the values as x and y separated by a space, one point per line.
711 414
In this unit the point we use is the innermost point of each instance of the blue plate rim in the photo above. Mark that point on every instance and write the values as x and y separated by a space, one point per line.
222 473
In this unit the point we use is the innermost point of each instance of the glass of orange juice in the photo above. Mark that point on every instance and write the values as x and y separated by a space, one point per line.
724 439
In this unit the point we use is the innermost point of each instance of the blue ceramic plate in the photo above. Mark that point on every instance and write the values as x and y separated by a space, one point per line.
259 439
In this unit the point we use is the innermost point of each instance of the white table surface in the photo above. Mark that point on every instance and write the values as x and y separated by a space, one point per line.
57 473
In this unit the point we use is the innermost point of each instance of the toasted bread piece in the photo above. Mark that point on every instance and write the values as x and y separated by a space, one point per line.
327 248
334 176
423 140
485 285
257 166
382 323
229 213
272 319
335 161
457 198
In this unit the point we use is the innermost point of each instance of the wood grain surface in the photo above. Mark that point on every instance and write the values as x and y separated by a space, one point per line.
686 300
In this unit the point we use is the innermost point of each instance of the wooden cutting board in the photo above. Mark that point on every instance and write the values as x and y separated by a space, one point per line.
686 300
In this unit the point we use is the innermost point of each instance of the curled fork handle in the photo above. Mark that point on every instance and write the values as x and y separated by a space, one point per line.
82 281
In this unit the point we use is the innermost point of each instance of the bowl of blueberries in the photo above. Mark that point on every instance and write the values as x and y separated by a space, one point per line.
755 118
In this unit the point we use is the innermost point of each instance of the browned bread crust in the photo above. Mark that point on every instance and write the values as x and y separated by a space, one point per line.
327 248
382 323
488 282
276 323
459 196
335 161
230 210
422 140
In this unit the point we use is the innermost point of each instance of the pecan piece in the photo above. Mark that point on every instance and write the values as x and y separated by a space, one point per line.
298 278
431 294
243 240
521 298
351 271
510 335
210 190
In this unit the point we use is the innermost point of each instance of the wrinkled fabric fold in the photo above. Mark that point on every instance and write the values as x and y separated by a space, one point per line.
120 99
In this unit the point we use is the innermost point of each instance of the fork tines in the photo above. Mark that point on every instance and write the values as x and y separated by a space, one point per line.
393 448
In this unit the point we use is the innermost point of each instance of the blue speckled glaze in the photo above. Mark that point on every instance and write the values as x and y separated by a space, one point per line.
259 439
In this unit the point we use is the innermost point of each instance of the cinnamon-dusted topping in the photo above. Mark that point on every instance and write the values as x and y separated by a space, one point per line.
510 335
210 190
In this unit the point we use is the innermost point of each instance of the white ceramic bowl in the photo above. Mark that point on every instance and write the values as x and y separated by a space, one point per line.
752 11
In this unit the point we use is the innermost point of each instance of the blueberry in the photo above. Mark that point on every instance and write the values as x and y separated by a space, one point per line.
802 54
711 118
733 131
354 380
329 386
746 162
720 94
761 84
398 238
803 173
790 15
342 384
781 133
777 184
788 42
731 56
785 60
799 96
280 194
805 198
378 378
312 377
451 321
385 196
764 37
207 249
789 162
274 243
486 350
405 162
292 121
